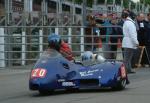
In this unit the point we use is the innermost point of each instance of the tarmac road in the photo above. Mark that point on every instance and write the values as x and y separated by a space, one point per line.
14 89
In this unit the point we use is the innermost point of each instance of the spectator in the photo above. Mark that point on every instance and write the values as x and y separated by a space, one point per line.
92 32
129 42
120 23
141 35
140 26
106 30
113 39
147 36
148 30
90 23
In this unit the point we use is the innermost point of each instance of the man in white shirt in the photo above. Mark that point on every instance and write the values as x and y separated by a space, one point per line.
129 42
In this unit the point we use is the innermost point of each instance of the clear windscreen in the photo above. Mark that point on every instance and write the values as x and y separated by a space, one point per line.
50 53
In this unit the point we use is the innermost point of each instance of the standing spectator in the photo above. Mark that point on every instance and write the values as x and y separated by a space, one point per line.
113 38
140 26
141 30
129 42
148 30
120 23
107 30
90 23
147 37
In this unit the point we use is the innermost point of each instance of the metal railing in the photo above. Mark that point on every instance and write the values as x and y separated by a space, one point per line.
27 44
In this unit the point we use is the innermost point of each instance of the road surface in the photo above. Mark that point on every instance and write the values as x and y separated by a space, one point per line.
14 89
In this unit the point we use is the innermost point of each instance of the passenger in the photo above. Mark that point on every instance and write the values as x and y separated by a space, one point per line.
88 56
98 58
55 42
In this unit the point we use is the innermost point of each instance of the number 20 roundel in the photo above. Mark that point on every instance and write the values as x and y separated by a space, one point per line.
38 73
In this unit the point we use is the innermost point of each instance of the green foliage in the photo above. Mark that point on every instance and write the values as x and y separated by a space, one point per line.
89 3
118 1
110 1
78 1
100 1
126 3
147 2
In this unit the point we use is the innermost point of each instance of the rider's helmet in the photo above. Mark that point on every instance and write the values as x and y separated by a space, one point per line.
54 41
87 56
99 58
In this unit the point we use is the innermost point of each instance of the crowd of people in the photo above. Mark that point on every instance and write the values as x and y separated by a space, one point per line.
109 28
133 31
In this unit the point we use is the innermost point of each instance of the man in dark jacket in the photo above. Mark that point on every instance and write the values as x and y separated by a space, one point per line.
141 28
147 38
148 31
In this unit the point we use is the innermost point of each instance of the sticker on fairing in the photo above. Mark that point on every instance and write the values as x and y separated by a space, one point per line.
38 73
88 73
68 84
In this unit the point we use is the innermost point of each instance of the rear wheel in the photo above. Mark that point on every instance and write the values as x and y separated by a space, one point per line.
120 85
45 92
72 89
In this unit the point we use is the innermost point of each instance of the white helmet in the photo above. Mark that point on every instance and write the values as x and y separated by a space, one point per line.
98 58
87 56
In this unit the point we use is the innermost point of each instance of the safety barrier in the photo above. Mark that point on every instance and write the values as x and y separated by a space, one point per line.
23 45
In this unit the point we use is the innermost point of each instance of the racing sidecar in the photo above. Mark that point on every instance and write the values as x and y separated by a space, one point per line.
52 71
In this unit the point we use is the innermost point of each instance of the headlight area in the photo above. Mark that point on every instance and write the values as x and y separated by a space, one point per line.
38 73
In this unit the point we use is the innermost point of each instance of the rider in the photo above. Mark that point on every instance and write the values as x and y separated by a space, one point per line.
55 42
89 56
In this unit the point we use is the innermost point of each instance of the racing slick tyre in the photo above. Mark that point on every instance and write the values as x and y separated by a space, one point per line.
120 85
45 92
72 89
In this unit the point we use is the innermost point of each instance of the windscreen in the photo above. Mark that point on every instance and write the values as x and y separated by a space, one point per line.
50 53
48 56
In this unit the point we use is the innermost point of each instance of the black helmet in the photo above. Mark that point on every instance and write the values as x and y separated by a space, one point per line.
54 41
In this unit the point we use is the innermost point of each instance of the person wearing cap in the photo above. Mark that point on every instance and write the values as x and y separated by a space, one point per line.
129 42
55 42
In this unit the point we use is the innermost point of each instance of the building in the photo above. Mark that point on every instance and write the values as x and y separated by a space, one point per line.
24 43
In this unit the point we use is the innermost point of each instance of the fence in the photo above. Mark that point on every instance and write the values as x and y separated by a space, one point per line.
27 44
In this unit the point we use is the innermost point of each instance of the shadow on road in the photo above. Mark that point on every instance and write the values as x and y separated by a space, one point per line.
67 92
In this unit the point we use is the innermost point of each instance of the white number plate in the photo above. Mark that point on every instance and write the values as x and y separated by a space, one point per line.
68 84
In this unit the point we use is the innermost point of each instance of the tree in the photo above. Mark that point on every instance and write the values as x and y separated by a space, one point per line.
118 2
126 3
100 1
147 2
